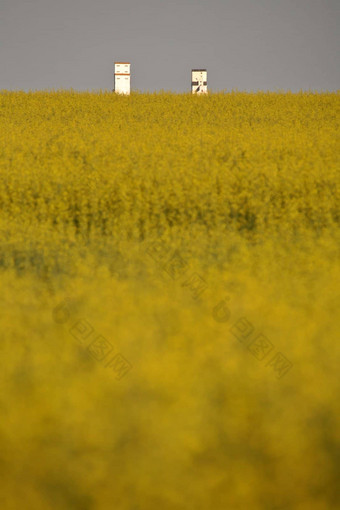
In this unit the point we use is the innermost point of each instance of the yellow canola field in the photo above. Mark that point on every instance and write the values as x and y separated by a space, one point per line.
169 272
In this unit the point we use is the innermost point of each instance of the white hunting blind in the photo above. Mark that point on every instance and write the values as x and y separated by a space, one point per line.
122 78
199 81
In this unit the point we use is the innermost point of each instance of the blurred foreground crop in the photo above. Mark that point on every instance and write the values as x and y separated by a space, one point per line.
169 271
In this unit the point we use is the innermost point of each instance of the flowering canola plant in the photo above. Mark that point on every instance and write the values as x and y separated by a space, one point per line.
169 270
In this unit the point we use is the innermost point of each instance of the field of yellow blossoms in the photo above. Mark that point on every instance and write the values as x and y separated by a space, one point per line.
169 274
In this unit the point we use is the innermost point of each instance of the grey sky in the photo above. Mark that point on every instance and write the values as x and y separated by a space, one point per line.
244 44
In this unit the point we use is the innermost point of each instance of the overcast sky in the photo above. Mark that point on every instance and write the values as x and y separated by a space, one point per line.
244 44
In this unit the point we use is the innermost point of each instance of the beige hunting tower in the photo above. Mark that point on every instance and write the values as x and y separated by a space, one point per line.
122 78
199 81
